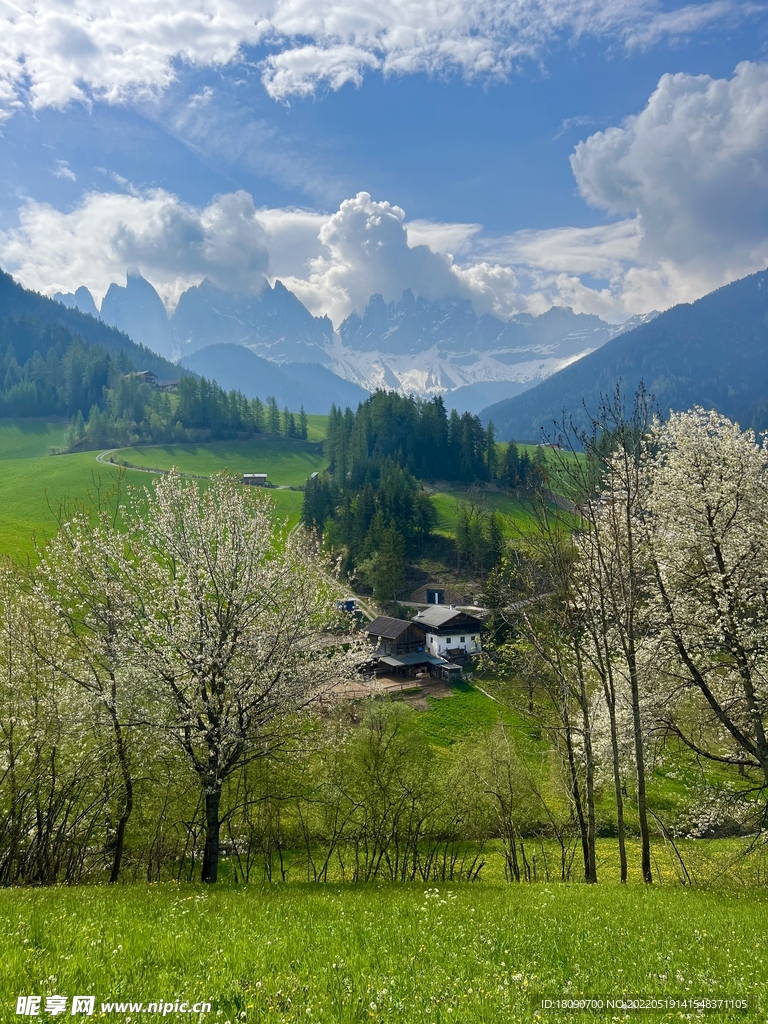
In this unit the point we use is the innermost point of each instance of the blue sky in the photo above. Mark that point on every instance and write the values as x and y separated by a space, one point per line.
112 140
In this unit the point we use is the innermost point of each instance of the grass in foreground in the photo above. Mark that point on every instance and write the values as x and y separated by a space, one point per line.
472 953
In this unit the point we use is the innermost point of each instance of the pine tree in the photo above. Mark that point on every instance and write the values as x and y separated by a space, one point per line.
512 465
273 416
389 572
491 458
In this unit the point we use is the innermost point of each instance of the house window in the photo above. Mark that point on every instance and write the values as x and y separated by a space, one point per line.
447 639
474 638
463 640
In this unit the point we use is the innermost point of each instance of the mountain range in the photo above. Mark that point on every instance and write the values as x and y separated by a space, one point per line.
711 352
237 368
522 374
412 345
17 302
273 322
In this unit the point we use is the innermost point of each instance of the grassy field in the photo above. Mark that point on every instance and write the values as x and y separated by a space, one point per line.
285 462
468 709
447 502
33 484
29 439
317 426
459 954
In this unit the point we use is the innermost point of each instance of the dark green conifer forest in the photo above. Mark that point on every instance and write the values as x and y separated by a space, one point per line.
45 370
371 503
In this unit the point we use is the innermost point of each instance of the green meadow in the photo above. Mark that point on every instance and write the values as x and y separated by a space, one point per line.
451 954
34 484
447 501
477 953
286 463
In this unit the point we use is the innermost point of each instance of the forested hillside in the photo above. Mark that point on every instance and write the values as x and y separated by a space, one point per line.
47 370
371 503
710 353
17 302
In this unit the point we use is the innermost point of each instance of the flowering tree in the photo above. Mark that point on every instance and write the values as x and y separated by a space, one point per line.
81 580
236 623
707 532
611 581
54 779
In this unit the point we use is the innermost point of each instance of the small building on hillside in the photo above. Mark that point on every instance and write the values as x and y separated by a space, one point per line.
435 593
254 479
400 650
450 632
395 636
147 377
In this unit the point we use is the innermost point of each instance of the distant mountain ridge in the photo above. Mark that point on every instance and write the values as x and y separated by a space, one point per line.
423 347
235 367
413 324
16 302
413 345
712 352
273 322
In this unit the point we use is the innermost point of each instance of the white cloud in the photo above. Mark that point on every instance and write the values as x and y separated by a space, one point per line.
685 21
599 251
293 240
56 51
172 244
687 177
367 247
61 169
692 169
443 237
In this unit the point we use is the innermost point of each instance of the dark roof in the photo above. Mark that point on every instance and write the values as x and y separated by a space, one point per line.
407 660
388 627
438 615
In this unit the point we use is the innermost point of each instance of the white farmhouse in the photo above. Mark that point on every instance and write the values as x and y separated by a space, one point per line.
450 631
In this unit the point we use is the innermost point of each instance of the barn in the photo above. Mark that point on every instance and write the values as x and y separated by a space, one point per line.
401 650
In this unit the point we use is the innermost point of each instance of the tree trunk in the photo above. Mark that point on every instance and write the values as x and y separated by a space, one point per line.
125 769
117 856
642 811
610 698
590 795
576 794
211 855
589 781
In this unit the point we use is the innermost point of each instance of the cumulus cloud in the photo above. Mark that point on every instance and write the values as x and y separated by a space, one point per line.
686 181
692 170
56 51
366 250
172 244
367 247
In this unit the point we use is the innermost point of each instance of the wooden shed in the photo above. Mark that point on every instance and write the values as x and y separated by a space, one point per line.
393 637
